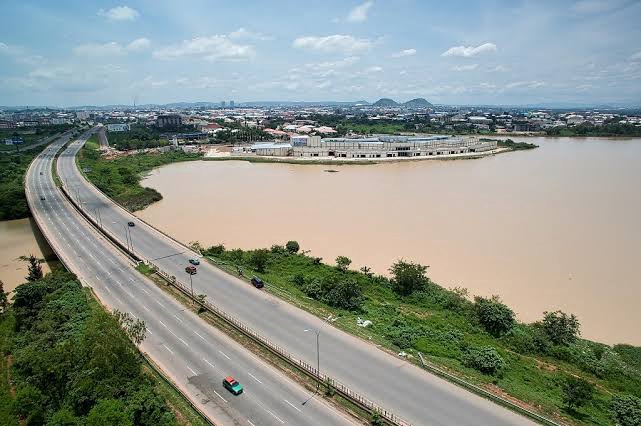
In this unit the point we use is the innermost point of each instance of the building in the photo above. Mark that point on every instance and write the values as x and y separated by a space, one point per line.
223 104
6 124
231 104
169 120
271 149
118 127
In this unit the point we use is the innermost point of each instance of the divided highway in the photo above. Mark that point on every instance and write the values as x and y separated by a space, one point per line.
394 384
195 355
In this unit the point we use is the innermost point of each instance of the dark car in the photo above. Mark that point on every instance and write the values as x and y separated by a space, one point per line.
191 270
257 282
40 173
42 198
194 261
131 224
232 385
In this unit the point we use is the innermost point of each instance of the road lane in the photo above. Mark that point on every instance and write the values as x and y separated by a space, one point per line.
178 340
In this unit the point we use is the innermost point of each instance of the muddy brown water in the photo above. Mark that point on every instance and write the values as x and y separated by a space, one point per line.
558 227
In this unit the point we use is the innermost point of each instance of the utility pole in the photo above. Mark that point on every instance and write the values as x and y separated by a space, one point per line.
317 332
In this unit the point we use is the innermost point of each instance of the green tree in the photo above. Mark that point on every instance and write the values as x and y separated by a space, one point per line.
486 360
367 271
64 417
408 277
626 410
134 328
494 315
35 270
258 259
30 404
109 412
4 301
292 246
561 328
576 392
343 262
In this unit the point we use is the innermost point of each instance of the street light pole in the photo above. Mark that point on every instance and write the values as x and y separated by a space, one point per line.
317 356
191 284
131 242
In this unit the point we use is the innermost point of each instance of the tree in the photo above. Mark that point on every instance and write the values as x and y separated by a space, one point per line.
135 329
4 302
292 246
343 262
408 277
576 392
108 412
258 259
486 360
35 270
626 410
367 271
561 328
495 316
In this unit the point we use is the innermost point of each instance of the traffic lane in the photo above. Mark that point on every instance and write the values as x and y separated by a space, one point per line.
176 348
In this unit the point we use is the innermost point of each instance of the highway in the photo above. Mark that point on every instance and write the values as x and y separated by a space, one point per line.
396 385
195 355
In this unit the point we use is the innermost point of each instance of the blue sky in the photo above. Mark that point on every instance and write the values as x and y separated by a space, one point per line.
458 52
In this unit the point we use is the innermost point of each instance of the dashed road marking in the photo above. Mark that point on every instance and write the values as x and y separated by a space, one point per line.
167 347
219 396
192 371
255 378
223 354
295 407
196 333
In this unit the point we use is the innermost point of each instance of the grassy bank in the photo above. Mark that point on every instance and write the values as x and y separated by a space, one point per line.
29 136
478 340
119 178
66 361
13 166
514 146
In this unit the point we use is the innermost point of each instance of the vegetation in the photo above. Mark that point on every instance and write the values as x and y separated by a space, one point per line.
13 166
65 361
610 128
34 268
119 178
138 137
29 136
626 410
478 339
515 146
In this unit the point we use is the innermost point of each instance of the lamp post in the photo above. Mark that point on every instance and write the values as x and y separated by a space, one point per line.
317 332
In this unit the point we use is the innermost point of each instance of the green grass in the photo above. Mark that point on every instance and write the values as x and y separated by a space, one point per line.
119 178
444 330
29 136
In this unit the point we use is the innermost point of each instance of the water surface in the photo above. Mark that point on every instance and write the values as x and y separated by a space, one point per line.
558 227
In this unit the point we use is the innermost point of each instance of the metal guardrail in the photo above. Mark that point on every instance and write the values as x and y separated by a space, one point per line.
341 389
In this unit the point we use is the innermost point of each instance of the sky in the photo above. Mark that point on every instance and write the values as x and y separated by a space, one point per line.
502 52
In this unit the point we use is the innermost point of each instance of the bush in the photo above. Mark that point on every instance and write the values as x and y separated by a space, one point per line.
561 328
336 291
408 277
343 262
217 250
258 259
576 392
486 360
527 339
626 410
495 316
292 246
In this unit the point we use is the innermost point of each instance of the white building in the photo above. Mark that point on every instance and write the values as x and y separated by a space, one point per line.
118 127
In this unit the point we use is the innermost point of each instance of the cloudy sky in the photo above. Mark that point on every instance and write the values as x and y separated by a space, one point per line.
460 52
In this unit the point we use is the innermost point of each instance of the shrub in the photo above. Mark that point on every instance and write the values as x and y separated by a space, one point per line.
408 277
527 339
217 250
561 328
343 262
335 290
486 360
495 316
258 259
576 392
626 410
292 246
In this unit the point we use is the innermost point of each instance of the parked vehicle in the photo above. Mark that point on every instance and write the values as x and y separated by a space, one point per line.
194 261
257 282
232 385
191 270
42 198
131 224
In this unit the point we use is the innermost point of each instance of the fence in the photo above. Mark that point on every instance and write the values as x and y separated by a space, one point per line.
341 389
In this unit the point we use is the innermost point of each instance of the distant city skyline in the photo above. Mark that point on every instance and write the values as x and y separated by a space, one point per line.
498 52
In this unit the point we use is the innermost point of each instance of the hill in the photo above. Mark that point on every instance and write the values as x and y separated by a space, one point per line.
417 103
385 102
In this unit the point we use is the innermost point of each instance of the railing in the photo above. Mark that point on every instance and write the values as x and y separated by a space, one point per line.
341 389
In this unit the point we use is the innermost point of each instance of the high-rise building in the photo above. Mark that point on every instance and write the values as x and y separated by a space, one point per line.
231 104
222 104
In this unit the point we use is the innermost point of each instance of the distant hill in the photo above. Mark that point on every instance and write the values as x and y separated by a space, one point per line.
361 103
417 103
385 102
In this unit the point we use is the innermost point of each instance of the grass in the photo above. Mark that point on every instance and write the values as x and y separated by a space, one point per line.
445 327
120 178
7 393
29 136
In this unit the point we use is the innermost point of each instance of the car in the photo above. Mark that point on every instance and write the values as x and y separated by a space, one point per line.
131 224
194 261
191 270
42 198
257 282
232 385
40 173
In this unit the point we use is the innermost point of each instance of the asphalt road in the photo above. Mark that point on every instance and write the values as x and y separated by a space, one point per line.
195 355
396 385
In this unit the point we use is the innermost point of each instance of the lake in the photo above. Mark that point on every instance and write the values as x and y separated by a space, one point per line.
557 227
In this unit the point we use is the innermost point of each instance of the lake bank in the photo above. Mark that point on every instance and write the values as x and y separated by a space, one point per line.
533 227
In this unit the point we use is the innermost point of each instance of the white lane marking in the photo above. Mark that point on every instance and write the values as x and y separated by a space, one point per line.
250 422
220 396
163 324
143 289
255 378
176 316
196 333
223 354
149 330
295 407
157 301
210 364
146 308
192 371
275 416
167 347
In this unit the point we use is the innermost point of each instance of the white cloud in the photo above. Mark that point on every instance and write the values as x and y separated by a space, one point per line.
359 13
402 72
525 84
209 48
498 68
139 44
470 67
111 48
333 44
373 69
636 56
119 13
468 52
405 52
242 33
